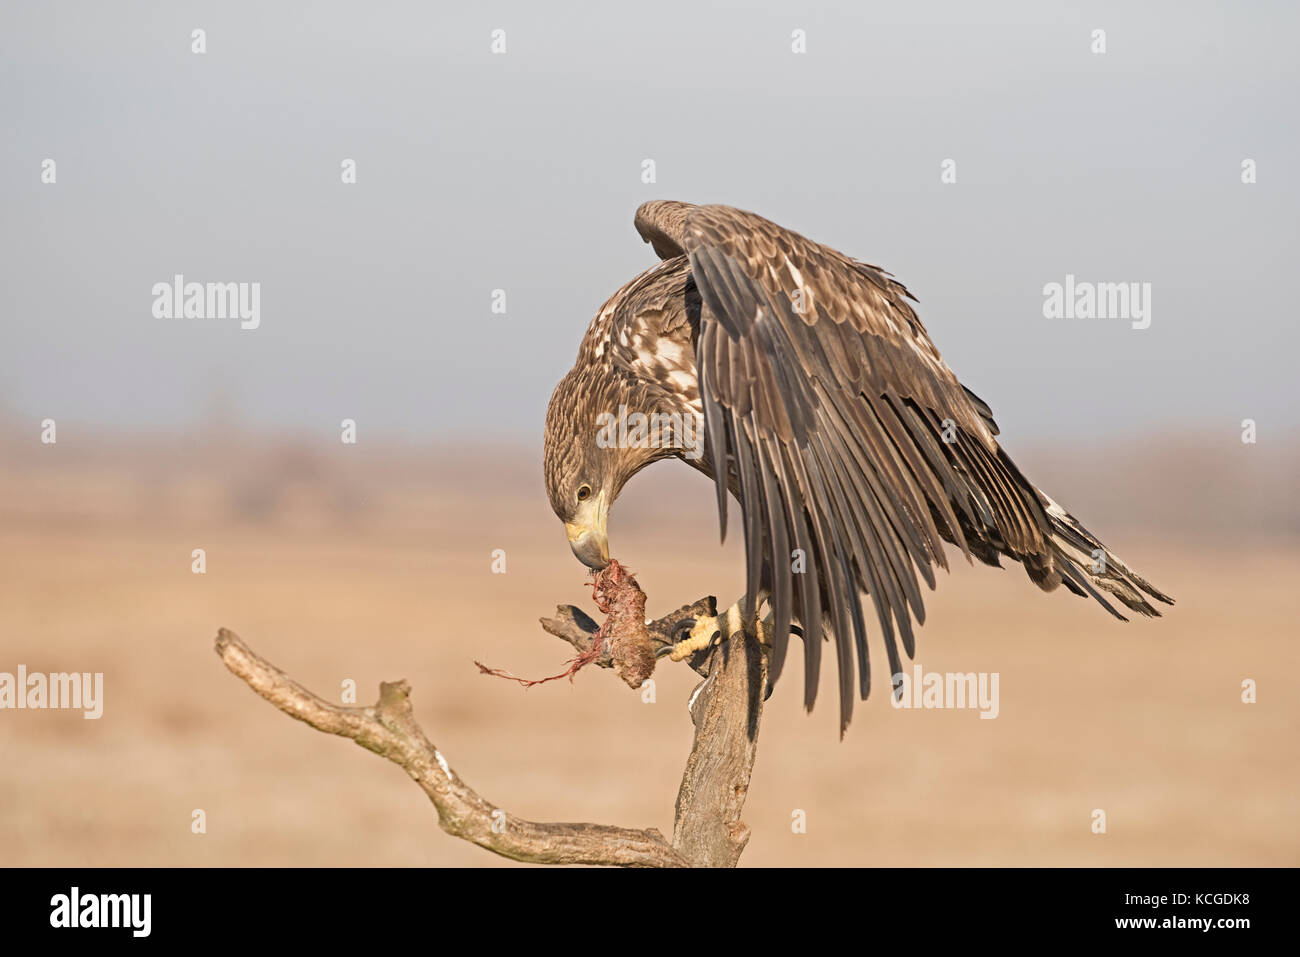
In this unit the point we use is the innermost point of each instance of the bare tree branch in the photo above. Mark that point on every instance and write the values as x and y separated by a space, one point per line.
708 830
389 729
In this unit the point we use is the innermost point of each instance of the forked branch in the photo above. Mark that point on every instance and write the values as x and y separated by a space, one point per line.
708 830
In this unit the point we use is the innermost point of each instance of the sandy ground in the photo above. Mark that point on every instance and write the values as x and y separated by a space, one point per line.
1142 720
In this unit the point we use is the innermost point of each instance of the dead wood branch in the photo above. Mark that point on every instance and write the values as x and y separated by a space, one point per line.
708 830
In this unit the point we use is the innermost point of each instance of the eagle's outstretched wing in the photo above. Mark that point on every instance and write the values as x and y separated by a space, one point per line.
852 441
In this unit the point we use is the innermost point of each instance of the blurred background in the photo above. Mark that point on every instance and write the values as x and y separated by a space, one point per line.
475 172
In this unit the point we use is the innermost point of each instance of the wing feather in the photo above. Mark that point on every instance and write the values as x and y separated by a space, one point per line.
832 415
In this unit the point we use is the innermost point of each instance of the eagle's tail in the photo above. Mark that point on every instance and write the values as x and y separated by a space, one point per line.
1087 567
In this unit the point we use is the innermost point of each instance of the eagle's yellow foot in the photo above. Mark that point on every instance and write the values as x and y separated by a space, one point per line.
701 636
705 630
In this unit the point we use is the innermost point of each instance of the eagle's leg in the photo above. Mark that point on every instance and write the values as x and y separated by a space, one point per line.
704 630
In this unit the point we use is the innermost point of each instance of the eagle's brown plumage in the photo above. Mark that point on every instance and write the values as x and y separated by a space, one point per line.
845 436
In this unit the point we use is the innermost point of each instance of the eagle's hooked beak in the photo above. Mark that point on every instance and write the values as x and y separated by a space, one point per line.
587 532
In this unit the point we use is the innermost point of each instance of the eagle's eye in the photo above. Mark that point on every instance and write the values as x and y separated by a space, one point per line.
584 493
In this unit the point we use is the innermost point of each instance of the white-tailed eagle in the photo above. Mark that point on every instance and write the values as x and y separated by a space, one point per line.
853 451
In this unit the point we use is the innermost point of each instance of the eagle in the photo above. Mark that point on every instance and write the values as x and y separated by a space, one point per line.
803 383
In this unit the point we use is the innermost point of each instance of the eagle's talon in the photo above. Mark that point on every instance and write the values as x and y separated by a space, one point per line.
681 631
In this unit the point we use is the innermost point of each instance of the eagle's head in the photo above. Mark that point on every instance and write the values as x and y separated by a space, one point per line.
585 463
582 478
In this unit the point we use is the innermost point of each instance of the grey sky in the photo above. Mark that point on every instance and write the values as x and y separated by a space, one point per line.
522 172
